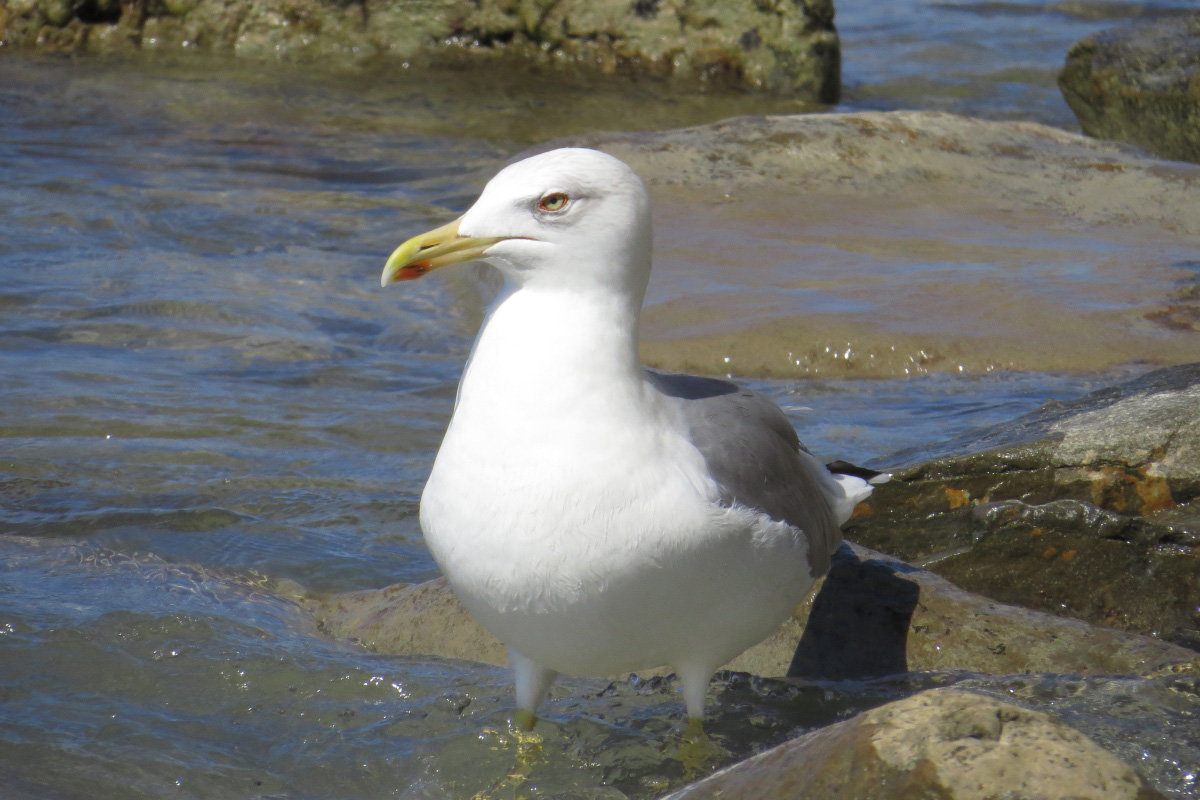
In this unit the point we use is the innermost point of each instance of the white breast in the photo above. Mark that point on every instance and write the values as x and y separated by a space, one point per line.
579 524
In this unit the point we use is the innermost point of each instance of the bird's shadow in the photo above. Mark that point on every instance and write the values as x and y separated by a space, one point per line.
859 623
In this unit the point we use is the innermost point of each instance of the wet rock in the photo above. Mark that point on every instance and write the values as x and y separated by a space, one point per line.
850 228
1139 84
1087 508
872 615
1145 721
943 743
409 619
784 47
911 154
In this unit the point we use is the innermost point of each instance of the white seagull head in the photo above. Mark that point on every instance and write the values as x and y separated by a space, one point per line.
571 217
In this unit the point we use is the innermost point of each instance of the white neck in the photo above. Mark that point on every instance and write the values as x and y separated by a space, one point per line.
530 355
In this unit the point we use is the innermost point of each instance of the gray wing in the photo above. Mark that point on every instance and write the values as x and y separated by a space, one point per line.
754 454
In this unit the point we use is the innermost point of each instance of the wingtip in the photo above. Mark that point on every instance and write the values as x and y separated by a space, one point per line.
871 476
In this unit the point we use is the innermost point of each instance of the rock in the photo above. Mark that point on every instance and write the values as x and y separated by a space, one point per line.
788 47
917 154
840 216
943 743
1087 508
782 47
409 619
872 615
1139 84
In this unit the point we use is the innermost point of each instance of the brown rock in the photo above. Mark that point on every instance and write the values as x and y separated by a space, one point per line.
872 615
411 619
875 615
833 211
944 744
1078 508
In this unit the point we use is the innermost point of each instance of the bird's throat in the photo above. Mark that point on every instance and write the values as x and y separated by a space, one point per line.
542 351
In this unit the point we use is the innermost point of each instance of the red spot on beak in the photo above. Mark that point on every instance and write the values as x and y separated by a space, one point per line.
411 271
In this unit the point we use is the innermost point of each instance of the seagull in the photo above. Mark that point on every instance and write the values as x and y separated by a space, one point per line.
599 517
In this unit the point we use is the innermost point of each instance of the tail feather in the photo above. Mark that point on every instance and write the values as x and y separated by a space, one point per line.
853 484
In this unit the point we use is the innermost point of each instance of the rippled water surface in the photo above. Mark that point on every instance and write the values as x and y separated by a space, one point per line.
209 406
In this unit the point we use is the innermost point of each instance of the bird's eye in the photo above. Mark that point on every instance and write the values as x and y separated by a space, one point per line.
556 201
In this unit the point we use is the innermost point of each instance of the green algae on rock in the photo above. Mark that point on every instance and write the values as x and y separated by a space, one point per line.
1139 84
791 48
1085 509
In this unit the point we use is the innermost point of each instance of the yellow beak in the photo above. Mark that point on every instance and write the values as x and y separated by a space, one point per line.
431 250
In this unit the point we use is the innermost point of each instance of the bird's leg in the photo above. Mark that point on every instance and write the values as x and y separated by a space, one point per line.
526 748
694 680
524 720
697 752
533 681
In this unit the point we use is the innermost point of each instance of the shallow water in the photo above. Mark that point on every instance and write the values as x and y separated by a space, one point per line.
209 404
797 282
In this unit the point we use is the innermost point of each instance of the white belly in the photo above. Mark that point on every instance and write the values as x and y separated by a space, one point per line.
602 570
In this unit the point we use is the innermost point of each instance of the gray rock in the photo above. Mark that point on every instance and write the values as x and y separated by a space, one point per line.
1139 84
945 744
783 47
1085 508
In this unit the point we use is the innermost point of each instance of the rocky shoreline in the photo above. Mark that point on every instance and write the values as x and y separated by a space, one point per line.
1134 84
791 48
1052 560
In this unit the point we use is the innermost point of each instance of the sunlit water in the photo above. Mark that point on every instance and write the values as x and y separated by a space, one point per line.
208 403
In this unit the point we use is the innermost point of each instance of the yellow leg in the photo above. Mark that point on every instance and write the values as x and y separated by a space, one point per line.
524 720
698 753
527 750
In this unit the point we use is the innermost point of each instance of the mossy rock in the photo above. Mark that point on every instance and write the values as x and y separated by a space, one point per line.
1140 84
1088 509
790 48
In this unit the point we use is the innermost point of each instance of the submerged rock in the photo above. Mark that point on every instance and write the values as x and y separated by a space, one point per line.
1086 509
409 619
1139 84
784 47
943 743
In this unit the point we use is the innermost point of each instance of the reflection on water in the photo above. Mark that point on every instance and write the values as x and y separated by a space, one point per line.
209 406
